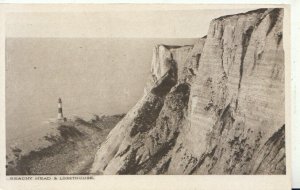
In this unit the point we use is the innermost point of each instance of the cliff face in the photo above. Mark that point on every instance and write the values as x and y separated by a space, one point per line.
216 107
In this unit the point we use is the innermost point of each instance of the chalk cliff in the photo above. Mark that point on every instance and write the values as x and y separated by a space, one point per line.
216 107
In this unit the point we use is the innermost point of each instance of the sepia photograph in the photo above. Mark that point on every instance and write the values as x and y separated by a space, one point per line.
146 92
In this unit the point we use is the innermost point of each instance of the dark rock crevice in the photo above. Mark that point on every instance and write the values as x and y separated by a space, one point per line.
272 154
274 14
222 128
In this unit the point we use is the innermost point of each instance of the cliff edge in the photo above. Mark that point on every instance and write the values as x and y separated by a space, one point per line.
216 107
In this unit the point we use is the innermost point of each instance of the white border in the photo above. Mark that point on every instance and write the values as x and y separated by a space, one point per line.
220 180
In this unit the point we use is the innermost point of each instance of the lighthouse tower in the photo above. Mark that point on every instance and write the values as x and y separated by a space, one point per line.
60 115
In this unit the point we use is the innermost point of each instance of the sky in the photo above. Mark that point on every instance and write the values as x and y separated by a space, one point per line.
97 62
91 75
111 24
61 25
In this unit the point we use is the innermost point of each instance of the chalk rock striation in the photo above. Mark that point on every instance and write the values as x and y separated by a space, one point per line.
216 107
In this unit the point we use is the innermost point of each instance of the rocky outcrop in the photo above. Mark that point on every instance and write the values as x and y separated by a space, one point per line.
71 151
216 107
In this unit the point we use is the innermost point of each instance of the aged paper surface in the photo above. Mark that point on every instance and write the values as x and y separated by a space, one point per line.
145 96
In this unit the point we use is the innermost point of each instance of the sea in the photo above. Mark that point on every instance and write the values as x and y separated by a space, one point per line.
102 76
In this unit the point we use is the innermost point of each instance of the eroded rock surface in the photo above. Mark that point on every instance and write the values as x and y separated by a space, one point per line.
216 107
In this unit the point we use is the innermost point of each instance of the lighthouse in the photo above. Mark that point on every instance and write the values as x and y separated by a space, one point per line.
60 115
